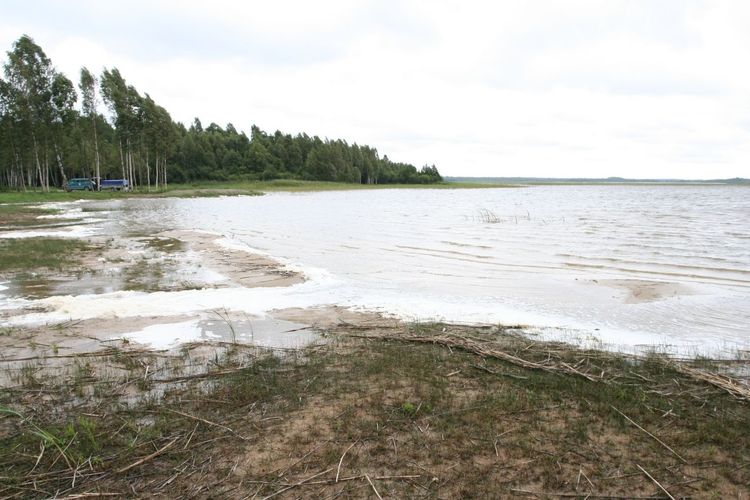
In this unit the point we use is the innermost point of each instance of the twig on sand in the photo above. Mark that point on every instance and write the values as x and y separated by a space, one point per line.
654 437
549 494
190 438
187 415
373 487
288 467
90 495
493 372
655 481
338 469
300 483
149 457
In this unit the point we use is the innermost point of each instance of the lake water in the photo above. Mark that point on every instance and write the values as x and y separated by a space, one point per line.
618 266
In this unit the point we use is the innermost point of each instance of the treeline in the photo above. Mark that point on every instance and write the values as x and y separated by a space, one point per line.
48 134
225 154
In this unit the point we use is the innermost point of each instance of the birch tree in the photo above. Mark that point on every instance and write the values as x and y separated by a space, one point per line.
62 116
89 101
115 95
29 74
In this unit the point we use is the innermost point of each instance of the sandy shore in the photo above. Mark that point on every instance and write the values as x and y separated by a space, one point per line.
171 261
243 268
639 291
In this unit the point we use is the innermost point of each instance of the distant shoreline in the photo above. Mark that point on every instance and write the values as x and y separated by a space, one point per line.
599 181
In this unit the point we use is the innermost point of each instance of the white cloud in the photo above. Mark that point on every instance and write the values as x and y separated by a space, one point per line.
575 88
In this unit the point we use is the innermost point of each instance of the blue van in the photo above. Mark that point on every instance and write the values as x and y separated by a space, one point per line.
79 184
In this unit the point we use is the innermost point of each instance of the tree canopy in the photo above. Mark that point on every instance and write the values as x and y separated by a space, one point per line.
44 138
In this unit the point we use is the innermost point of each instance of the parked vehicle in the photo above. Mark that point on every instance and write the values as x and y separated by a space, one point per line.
115 184
80 184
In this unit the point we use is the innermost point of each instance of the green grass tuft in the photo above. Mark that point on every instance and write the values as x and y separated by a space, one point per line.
31 253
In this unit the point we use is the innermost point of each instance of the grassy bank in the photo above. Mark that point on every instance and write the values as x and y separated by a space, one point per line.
36 253
208 189
301 186
395 410
17 215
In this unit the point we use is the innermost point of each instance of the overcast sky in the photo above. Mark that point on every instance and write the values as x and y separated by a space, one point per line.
650 89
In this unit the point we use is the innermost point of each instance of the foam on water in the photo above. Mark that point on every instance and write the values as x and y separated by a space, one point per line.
73 232
309 272
123 304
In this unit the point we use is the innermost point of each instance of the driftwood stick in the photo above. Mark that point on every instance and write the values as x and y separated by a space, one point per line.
90 495
282 490
338 469
654 437
717 380
655 481
373 487
288 467
190 438
563 494
187 415
473 346
349 478
149 457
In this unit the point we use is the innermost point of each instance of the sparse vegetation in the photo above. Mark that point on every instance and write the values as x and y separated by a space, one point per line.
32 253
205 189
16 215
372 408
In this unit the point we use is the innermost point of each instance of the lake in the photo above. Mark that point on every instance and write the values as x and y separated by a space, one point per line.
618 267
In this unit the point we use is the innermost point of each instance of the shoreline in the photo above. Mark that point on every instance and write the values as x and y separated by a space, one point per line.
362 401
218 188
194 260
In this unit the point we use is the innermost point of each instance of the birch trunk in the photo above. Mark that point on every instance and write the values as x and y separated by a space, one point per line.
38 164
122 160
60 164
148 173
96 154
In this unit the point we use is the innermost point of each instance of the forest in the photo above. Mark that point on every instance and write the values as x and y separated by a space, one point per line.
52 129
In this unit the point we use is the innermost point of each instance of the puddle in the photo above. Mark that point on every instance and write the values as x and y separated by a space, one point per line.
41 286
138 267
263 332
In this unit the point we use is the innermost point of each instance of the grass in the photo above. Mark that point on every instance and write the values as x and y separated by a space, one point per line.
209 189
10 210
32 253
22 215
412 419
54 195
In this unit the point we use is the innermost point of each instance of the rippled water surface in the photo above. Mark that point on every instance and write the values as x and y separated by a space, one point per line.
621 266
625 264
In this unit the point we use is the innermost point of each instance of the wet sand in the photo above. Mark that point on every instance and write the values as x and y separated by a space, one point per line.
159 262
640 291
243 268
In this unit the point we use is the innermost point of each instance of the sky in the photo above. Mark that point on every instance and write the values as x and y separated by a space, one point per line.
542 88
